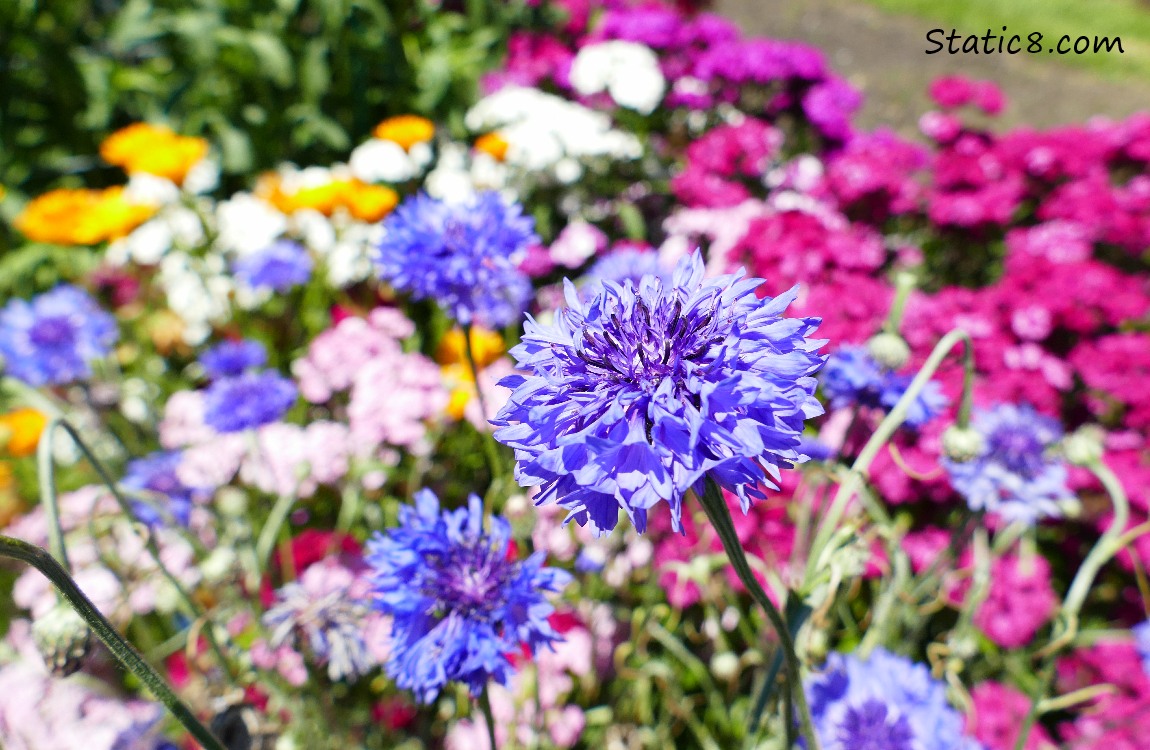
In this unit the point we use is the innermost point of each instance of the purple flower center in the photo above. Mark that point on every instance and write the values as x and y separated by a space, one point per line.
643 346
472 578
1018 449
52 331
868 727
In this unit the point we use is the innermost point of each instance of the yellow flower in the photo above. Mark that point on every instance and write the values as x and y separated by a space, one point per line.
20 431
364 202
461 388
369 202
486 345
406 130
153 149
81 217
492 144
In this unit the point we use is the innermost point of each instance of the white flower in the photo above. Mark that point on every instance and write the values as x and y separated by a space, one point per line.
197 290
150 189
377 160
541 130
627 71
202 177
248 224
175 225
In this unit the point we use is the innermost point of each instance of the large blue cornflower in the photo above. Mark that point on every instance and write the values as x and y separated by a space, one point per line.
852 377
230 358
156 473
459 605
642 394
464 255
247 401
279 267
886 702
52 339
1014 475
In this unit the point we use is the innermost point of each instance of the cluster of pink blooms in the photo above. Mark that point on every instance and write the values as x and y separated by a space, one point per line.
114 568
355 356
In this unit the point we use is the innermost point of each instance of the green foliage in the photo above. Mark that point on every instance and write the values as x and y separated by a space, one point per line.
262 79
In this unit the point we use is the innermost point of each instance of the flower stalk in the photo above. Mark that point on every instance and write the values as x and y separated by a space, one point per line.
46 564
720 517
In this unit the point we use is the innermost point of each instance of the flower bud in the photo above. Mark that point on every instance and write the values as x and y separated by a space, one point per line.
1084 446
63 638
725 666
889 350
962 444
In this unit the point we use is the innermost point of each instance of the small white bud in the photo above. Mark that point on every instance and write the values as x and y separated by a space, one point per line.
962 444
725 666
1084 446
889 350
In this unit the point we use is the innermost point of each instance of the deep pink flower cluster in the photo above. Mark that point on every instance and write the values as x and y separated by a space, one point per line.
1117 721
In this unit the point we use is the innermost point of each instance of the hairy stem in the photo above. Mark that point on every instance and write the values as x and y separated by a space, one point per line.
44 562
720 518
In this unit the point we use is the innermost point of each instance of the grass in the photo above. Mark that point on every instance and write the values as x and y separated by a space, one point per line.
1128 19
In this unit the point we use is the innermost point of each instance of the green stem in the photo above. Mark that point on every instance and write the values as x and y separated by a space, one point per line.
48 488
48 497
796 613
44 562
488 716
489 450
1108 545
903 285
720 517
271 530
882 434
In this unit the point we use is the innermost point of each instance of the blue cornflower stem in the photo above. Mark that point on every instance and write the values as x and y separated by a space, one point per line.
796 615
44 562
720 517
489 450
1108 545
271 530
886 429
47 478
488 716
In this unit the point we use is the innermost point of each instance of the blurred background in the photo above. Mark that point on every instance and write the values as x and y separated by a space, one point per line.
269 80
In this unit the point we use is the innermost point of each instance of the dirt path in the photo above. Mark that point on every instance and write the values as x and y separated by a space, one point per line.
884 55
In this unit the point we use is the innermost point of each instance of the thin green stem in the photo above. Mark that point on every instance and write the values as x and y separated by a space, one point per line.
45 471
488 717
271 530
882 434
124 652
490 452
48 480
903 285
720 517
796 614
1109 544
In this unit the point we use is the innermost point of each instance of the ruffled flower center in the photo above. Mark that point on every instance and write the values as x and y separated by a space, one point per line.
471 578
643 345
52 331
871 727
1018 449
